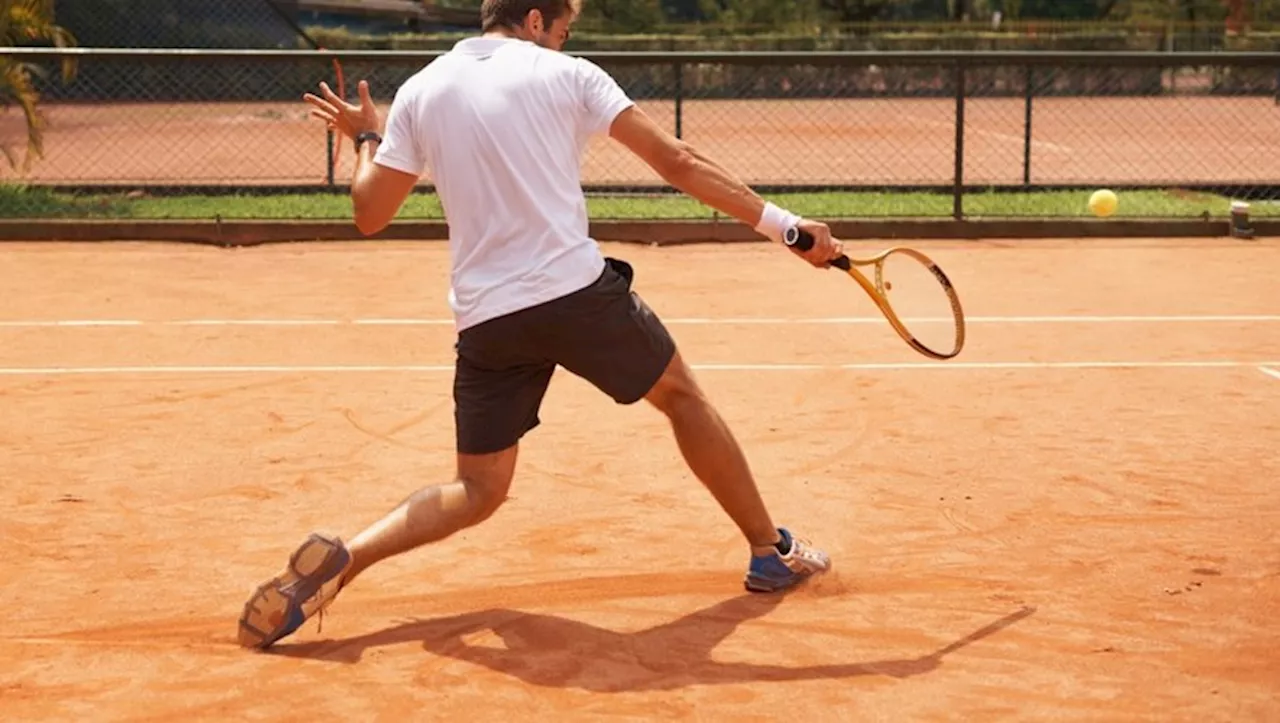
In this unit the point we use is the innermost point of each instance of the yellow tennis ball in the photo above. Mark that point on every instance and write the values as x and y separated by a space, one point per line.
1103 203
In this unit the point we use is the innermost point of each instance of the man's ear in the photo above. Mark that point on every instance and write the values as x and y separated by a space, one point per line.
534 22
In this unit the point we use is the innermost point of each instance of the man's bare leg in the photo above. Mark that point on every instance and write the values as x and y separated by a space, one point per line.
713 454
437 512
323 565
778 560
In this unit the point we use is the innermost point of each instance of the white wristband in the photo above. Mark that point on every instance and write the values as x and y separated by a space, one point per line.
775 221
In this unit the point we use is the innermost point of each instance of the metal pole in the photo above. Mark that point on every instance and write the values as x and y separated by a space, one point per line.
328 156
679 100
1026 142
958 193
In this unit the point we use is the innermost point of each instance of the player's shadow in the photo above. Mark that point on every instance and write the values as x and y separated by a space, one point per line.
550 651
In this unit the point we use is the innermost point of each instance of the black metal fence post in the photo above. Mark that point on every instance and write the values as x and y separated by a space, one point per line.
958 193
679 70
1026 141
328 156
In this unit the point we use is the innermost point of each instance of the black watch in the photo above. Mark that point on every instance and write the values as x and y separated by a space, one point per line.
367 136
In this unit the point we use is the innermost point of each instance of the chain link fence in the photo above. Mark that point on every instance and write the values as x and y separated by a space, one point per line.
199 134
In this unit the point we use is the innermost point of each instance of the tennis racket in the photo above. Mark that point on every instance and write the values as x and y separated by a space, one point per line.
910 289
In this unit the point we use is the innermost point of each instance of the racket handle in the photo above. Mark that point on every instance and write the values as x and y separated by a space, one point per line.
802 240
798 239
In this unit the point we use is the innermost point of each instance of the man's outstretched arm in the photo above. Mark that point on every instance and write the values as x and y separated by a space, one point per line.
694 173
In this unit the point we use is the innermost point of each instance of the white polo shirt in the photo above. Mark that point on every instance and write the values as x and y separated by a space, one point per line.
501 125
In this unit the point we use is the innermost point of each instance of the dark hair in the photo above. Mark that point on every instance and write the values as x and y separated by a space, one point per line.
511 13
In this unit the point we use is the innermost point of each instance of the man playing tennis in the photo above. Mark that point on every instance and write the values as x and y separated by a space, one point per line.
501 121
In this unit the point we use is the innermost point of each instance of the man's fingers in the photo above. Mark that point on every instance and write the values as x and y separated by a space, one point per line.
825 250
333 98
327 118
363 88
320 104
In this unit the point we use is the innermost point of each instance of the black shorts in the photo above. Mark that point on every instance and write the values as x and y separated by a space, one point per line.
603 333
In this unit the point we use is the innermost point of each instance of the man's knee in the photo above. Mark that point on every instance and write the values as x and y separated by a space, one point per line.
676 391
485 500
487 479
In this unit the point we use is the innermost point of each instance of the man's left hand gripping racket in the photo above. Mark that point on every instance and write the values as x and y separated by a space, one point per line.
906 281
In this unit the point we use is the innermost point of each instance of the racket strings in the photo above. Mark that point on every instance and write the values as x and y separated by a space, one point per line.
921 301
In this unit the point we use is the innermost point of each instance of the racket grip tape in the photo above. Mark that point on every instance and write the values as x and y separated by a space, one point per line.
802 240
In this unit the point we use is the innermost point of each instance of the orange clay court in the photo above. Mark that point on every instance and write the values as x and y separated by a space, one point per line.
1027 532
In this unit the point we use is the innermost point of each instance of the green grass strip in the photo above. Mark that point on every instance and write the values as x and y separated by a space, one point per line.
19 202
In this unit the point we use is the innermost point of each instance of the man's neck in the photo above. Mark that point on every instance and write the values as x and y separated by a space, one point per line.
500 34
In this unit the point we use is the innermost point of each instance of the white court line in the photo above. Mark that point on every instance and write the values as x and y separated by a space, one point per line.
223 369
250 322
1270 372
689 321
994 320
428 368
75 323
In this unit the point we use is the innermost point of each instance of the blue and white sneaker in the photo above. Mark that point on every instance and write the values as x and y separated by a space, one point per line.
282 604
776 571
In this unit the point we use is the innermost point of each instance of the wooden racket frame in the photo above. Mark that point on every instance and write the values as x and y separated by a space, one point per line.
877 291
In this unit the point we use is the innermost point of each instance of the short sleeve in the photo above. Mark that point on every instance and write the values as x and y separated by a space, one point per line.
400 148
603 99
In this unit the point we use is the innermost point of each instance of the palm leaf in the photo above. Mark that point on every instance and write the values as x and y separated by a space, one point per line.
15 78
24 22
63 39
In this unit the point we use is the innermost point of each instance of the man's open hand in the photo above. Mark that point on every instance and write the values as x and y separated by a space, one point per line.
343 117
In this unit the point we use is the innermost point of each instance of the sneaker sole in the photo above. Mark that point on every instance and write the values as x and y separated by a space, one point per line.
765 585
758 583
271 610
